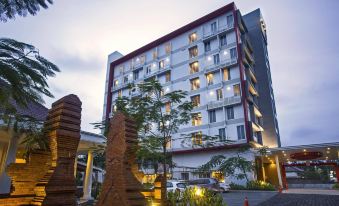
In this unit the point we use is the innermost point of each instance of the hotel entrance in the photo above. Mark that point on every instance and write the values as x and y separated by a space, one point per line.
305 166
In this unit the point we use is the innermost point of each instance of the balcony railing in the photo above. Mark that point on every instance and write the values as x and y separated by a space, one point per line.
219 30
224 102
224 63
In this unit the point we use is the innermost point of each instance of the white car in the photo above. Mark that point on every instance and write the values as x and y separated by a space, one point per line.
174 185
225 187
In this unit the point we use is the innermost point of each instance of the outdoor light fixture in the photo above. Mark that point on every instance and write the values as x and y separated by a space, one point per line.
225 52
154 65
138 59
167 89
211 93
167 59
228 88
328 148
198 192
304 150
209 58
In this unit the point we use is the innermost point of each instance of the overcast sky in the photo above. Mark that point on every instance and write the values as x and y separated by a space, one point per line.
303 38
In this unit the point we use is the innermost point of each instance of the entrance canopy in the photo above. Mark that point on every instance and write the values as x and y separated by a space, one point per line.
312 153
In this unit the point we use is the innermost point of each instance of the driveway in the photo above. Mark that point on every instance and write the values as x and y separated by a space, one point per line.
286 199
237 197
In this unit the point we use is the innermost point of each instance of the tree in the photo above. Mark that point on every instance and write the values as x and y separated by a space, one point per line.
230 165
158 115
10 8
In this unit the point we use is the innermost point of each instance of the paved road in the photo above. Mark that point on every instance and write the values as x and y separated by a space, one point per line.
237 197
286 199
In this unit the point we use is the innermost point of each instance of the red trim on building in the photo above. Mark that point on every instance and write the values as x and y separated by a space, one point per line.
207 149
164 39
311 164
243 82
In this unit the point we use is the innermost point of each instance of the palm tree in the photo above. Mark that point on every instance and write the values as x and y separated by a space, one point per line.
10 8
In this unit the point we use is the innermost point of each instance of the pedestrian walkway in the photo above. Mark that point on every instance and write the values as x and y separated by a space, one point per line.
312 191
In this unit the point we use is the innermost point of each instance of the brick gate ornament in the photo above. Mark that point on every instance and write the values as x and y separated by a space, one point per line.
121 187
48 177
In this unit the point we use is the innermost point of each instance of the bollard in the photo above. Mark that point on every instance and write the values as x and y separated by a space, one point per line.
246 202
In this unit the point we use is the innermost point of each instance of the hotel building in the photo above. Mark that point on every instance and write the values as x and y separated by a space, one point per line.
221 60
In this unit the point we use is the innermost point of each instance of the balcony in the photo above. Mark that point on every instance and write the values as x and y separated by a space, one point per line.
213 34
248 54
225 63
256 127
158 71
224 102
252 89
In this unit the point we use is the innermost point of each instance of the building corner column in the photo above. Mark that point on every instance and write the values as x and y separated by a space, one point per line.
278 171
87 189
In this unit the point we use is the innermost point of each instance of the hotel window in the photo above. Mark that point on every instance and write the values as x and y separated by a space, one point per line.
194 67
233 53
114 108
230 112
193 51
207 46
212 116
197 138
155 54
195 100
169 143
161 64
219 94
209 78
196 119
236 89
168 107
121 70
229 20
120 93
168 77
223 40
195 84
241 132
148 69
125 79
222 134
168 48
192 37
214 27
136 75
116 83
226 74
216 59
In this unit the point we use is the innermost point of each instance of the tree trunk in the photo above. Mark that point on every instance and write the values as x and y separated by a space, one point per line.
164 180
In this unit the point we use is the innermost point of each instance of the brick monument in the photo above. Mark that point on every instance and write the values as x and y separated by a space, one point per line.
48 177
120 186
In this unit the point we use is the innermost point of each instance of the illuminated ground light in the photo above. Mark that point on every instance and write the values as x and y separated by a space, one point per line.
198 191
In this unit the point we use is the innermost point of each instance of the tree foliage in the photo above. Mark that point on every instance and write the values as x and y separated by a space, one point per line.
10 8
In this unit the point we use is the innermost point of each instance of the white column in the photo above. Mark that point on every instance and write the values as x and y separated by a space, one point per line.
10 158
278 170
88 177
75 165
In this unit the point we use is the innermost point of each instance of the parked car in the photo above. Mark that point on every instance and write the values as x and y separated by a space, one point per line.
225 187
209 183
175 185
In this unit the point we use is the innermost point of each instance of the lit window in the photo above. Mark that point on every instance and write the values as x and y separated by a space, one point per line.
114 108
193 51
116 83
142 59
168 77
195 100
193 37
168 48
197 138
161 64
148 69
195 84
226 74
236 90
136 75
229 21
120 93
125 79
168 107
194 67
155 54
219 94
196 119
209 79
169 143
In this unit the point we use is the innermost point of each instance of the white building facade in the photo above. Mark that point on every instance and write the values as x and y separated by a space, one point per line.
212 59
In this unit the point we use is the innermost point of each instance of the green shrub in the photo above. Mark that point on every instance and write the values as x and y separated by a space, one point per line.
336 186
195 196
259 185
237 187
